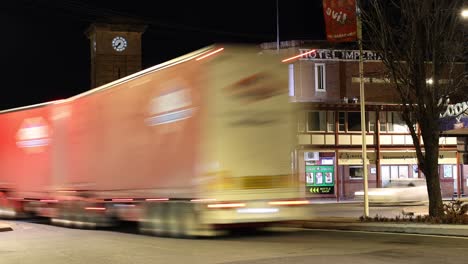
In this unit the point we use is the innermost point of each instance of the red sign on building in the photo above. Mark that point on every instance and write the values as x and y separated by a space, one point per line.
340 20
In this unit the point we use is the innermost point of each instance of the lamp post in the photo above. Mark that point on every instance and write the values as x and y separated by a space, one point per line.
277 27
464 16
363 112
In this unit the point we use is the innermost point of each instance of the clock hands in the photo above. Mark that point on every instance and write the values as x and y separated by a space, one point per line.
119 43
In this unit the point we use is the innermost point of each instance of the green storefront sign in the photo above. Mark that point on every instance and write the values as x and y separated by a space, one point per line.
320 179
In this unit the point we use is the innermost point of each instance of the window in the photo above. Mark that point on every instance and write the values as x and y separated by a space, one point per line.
371 124
320 77
392 122
383 121
415 171
392 173
351 121
331 121
354 121
291 79
301 122
321 121
341 121
449 170
356 172
400 171
403 171
413 121
316 121
396 123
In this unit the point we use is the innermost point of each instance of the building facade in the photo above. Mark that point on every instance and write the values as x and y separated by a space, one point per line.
329 153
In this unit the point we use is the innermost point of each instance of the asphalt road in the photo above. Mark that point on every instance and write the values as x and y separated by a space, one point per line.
41 243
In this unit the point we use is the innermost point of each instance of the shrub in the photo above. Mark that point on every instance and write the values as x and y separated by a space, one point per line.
455 212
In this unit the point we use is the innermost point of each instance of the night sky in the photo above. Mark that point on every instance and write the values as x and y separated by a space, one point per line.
45 53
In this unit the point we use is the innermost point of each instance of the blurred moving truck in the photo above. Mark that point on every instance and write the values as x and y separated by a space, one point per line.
189 147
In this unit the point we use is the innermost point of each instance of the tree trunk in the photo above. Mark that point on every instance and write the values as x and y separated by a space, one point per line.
431 171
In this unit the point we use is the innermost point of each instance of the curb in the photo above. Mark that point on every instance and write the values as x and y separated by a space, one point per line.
4 228
407 228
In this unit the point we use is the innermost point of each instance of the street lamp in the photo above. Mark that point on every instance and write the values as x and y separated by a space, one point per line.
464 13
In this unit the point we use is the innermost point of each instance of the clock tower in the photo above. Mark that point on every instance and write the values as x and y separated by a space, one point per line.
115 51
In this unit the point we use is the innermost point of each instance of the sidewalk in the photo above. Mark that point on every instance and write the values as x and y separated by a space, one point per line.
353 224
5 227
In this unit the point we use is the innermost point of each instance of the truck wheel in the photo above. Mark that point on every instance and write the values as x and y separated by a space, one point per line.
153 219
174 218
183 221
64 216
72 214
190 221
89 219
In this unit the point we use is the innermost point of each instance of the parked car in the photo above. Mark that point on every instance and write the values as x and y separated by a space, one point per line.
398 191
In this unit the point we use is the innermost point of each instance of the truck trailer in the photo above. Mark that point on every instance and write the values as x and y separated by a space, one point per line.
191 147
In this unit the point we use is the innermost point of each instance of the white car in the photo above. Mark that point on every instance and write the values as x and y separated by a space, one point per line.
399 191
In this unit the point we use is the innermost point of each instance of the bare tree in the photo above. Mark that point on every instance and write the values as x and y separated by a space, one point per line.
421 43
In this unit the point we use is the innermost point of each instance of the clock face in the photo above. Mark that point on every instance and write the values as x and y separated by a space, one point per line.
119 43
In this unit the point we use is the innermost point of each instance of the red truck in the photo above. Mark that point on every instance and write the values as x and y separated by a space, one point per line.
190 147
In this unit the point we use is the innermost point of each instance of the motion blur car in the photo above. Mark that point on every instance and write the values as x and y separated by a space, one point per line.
400 191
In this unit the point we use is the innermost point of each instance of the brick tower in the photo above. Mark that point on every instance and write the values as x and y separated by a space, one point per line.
115 51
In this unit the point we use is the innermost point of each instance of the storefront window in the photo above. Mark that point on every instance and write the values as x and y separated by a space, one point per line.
415 171
356 172
403 171
394 172
449 171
